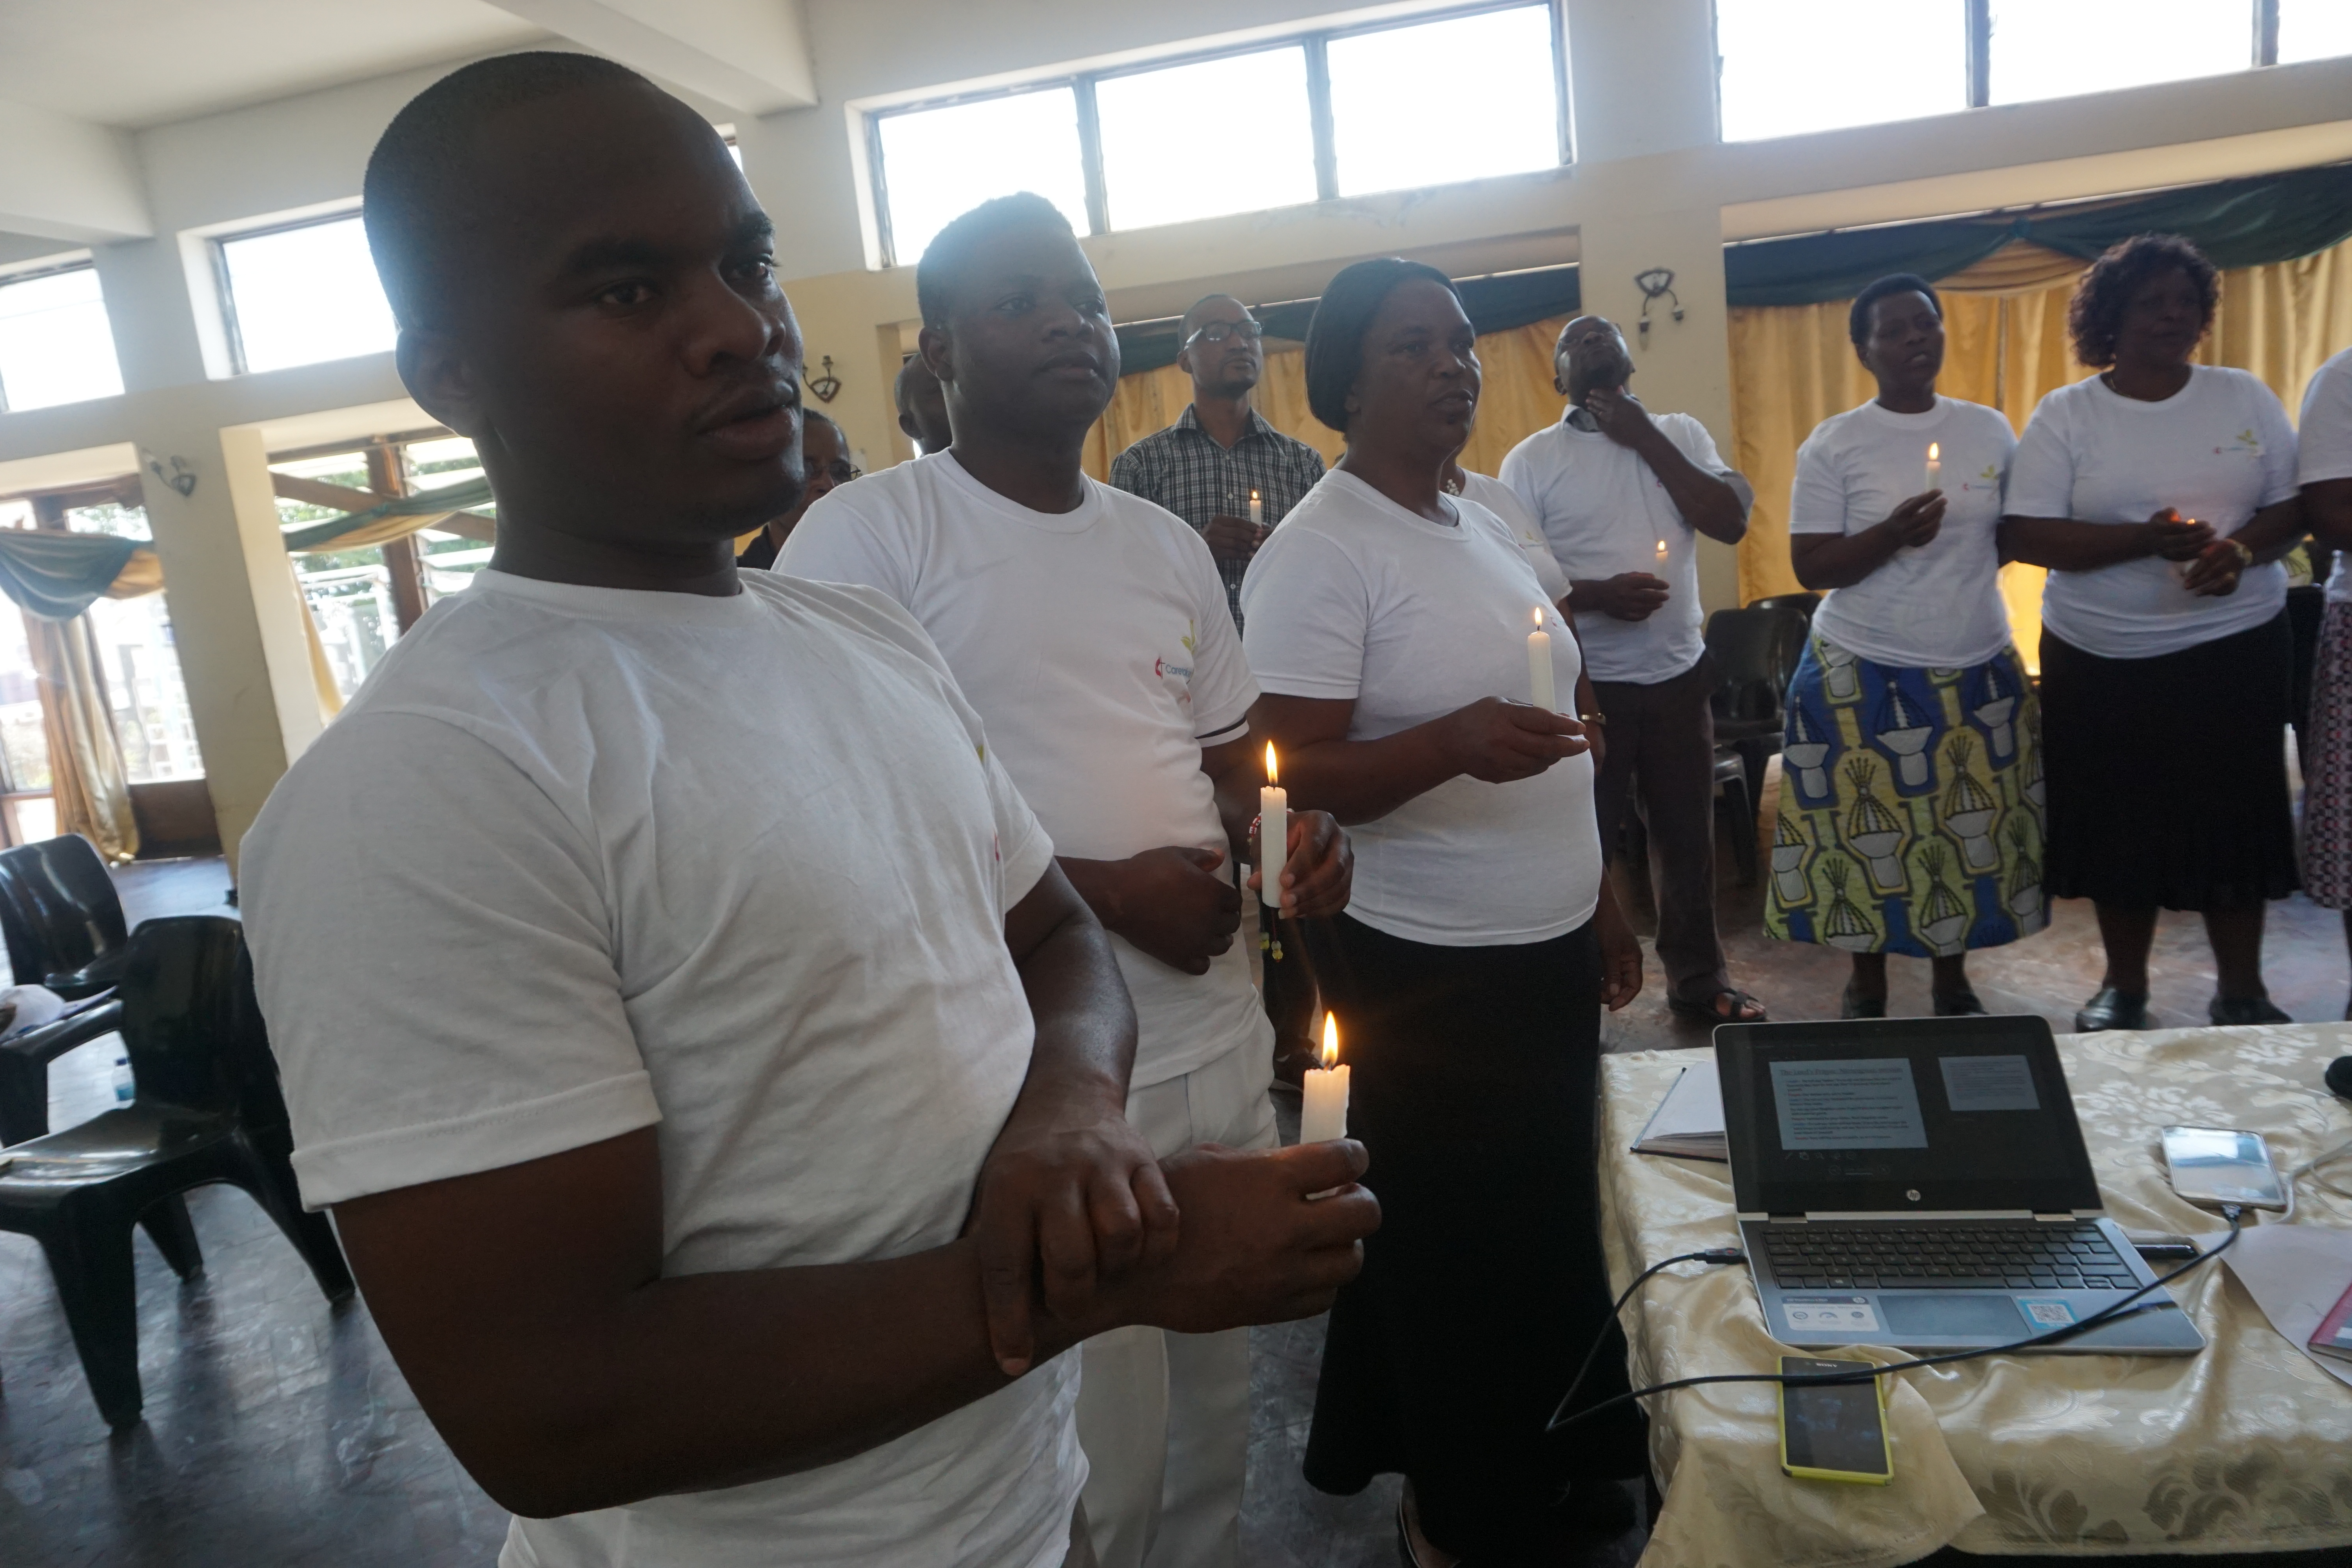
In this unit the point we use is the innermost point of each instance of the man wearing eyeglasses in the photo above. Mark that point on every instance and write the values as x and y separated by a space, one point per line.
824 458
1220 451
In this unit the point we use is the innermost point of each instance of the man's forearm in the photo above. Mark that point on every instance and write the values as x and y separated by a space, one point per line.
1085 1019
1708 502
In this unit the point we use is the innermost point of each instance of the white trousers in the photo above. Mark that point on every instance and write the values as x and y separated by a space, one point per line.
1164 1417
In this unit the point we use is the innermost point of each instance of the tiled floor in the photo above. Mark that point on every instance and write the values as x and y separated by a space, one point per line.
278 1432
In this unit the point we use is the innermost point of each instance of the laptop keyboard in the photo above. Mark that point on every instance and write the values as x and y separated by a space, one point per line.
2038 1256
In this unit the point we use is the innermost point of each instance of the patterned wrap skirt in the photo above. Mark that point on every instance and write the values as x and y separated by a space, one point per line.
2328 769
1911 806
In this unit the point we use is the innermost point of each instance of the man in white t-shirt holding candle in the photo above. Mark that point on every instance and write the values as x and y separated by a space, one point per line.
1090 629
1622 496
712 1054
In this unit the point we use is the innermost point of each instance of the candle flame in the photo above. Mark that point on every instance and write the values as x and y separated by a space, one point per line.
1935 450
1252 498
1331 1042
1662 547
1272 777
1539 617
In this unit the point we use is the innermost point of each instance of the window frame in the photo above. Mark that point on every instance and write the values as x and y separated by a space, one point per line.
1313 42
83 262
217 245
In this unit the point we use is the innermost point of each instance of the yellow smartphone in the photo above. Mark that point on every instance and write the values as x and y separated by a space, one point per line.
1835 1431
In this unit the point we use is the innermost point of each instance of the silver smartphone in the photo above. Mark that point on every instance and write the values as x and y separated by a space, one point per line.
2222 1165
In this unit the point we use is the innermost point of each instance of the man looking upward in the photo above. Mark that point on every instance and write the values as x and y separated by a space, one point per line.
1204 466
1089 629
1623 497
701 1197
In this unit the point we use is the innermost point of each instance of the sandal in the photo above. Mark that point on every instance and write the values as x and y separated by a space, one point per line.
1712 1012
2109 1008
1960 1004
1853 1004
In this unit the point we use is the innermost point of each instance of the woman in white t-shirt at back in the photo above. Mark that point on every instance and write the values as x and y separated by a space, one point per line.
1387 623
2160 494
1906 824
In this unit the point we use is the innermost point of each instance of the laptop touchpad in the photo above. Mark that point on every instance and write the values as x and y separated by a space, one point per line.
1922 1315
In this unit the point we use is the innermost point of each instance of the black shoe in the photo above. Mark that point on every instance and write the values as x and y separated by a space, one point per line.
2246 1010
2109 1008
1854 1005
1960 1004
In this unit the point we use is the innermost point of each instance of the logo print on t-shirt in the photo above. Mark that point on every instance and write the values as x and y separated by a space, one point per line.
2247 442
1181 674
1989 480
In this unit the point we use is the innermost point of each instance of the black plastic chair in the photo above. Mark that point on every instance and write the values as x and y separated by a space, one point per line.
61 917
24 1058
206 1109
1803 603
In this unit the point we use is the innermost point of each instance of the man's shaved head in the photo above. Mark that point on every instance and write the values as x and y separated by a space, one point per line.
421 200
1200 312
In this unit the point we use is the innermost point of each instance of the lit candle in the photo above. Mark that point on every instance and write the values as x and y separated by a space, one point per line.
1662 553
1540 664
1935 465
1257 510
1323 1109
1273 833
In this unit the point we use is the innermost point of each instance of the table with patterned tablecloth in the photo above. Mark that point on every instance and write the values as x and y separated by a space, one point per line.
2244 1448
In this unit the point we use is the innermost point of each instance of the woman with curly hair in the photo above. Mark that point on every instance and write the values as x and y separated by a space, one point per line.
2160 495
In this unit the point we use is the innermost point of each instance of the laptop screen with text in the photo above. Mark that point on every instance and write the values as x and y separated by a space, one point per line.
1904 1115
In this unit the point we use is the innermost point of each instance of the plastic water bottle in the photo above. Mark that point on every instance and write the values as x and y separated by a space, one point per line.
123 1087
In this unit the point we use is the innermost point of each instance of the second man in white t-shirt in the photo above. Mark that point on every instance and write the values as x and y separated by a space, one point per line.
1090 629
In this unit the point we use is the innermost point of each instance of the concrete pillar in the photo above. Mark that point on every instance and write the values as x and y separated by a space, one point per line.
236 610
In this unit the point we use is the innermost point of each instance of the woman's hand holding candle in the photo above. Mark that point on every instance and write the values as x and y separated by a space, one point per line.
1539 671
1273 829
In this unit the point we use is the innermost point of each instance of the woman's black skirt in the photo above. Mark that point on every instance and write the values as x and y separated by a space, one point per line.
1476 1077
2168 775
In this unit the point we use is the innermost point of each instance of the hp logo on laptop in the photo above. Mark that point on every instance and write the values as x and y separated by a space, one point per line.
1913 1193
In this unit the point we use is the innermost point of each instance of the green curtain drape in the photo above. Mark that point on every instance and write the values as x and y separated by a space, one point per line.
337 533
54 574
2252 222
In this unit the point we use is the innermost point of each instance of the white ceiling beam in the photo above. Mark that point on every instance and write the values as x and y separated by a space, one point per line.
63 178
751 55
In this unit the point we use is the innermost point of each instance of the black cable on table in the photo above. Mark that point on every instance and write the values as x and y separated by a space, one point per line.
1870 1373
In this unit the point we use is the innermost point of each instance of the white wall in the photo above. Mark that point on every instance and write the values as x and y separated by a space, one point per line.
1652 186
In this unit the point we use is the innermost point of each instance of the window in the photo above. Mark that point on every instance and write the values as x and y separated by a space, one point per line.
1257 127
55 343
141 663
943 161
2050 48
1508 122
1842 62
2313 29
1226 136
302 294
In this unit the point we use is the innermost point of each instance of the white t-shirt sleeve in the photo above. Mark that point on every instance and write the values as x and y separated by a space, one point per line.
2325 442
1307 613
1518 475
1222 686
1817 497
1691 438
403 851
838 543
2279 480
2041 470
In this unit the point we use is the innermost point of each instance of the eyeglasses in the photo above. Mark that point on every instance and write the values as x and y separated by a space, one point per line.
841 471
1218 332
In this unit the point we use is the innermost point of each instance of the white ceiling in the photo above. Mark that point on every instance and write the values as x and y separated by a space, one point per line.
134 63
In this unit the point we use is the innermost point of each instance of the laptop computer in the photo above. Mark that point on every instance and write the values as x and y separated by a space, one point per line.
1921 1183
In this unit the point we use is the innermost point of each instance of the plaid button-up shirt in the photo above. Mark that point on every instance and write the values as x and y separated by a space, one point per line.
1184 469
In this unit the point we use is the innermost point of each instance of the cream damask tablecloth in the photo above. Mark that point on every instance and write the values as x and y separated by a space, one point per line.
2246 1447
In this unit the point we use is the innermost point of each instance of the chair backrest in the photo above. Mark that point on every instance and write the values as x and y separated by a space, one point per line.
1755 653
1803 603
28 961
182 1013
67 901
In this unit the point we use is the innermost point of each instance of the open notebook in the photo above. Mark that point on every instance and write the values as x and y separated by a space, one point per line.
1688 1123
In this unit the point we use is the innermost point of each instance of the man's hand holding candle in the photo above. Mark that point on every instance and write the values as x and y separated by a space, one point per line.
1501 741
1318 870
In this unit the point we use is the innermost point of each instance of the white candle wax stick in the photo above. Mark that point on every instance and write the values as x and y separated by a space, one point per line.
1540 681
1323 1105
1272 841
1257 510
1935 468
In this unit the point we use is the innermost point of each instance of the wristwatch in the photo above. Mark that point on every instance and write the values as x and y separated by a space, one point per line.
1592 718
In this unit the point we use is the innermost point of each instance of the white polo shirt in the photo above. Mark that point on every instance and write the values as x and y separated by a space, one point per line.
1606 513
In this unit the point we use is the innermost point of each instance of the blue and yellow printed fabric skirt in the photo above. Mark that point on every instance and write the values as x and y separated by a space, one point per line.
1910 814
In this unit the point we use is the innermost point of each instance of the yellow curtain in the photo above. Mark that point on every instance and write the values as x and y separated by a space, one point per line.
87 779
2005 326
1516 401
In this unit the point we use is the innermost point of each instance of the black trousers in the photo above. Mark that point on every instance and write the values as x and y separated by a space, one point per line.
1475 1088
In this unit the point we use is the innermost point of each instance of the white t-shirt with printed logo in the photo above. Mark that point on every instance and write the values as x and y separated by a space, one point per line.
2324 443
579 861
1098 646
1355 598
2217 451
1605 513
1938 606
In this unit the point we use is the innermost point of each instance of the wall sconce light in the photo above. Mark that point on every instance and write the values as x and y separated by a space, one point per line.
827 385
1657 283
181 475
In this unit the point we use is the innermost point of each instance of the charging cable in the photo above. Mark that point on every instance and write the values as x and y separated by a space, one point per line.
2108 1313
2306 1168
1716 1254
